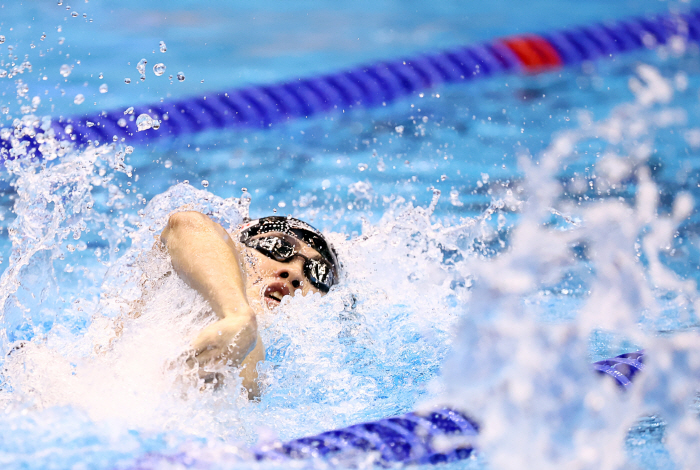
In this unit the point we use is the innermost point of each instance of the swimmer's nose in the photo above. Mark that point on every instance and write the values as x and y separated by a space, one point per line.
296 280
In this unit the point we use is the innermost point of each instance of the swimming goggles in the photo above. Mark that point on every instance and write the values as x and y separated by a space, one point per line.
322 273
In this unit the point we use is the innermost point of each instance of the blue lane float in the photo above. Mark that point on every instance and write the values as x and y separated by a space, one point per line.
373 85
437 436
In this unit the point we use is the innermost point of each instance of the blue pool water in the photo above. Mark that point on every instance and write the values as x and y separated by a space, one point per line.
565 231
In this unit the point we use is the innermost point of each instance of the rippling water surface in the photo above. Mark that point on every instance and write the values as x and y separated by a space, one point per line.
496 238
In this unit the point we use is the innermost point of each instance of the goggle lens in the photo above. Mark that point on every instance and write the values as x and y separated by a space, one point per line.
318 272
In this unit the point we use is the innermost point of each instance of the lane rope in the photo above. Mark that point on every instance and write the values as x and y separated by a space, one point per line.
370 85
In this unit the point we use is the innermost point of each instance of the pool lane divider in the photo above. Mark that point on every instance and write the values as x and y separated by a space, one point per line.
376 84
437 436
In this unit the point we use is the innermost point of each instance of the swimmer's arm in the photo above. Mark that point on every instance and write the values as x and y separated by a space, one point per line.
205 257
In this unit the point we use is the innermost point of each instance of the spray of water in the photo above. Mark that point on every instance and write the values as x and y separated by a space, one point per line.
529 381
94 322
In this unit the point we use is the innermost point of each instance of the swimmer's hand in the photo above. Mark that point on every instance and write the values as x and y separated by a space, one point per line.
227 341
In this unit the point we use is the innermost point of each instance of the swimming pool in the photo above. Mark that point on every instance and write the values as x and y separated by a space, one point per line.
376 346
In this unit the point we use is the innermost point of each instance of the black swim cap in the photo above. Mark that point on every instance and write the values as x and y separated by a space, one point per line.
296 228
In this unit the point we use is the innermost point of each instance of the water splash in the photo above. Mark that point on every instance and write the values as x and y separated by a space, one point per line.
527 381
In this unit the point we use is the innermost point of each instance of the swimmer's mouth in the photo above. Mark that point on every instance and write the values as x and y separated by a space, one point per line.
274 294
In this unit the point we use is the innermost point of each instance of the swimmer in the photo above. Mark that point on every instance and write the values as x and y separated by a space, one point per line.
243 274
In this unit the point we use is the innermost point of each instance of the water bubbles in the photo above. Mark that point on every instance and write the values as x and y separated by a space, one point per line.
168 164
129 110
144 122
22 89
79 98
181 76
121 122
159 69
43 36
5 110
141 66
399 129
162 46
104 88
2 39
362 166
127 80
68 129
205 183
89 123
60 2
129 150
156 124
65 70
36 101
61 40
74 14
3 73
100 76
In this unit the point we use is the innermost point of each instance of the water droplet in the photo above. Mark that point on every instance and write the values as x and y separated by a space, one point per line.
43 36
74 14
156 124
89 123
168 164
170 77
159 69
129 150
5 110
129 110
362 166
3 73
127 80
143 78
100 76
121 122
103 88
79 98
443 177
2 39
68 129
60 2
162 46
65 70
141 66
61 40
181 76
144 122
205 183
202 81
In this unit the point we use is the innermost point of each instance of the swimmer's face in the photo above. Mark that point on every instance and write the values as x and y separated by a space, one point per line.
268 281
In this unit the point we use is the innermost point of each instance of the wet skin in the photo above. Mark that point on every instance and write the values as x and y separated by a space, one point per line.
238 282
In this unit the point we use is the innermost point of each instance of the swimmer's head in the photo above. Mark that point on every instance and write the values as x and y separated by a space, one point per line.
285 255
